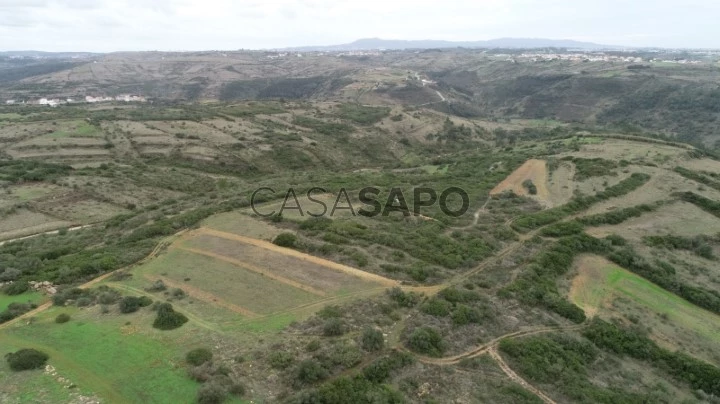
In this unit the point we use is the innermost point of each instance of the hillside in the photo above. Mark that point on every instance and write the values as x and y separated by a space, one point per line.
440 226
642 92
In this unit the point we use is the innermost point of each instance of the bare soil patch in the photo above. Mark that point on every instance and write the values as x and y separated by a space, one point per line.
533 170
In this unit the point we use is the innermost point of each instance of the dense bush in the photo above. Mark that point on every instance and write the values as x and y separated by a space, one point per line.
333 327
616 216
167 318
436 307
698 244
530 186
211 393
562 229
131 304
287 240
703 203
26 359
463 314
563 362
594 167
426 340
372 339
379 370
403 299
62 318
695 176
14 310
349 390
310 371
699 374
198 356
281 359
16 288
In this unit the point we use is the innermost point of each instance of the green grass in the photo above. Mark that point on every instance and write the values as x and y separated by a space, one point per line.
33 297
75 129
30 192
611 282
99 357
10 116
31 386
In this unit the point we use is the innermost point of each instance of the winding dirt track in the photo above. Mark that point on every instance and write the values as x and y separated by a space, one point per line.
517 379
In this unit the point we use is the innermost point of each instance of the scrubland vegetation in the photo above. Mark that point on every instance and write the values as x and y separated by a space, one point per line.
137 266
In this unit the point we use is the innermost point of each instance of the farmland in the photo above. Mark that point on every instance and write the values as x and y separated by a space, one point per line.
179 266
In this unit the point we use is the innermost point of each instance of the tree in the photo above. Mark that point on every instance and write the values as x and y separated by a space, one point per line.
26 359
168 319
372 339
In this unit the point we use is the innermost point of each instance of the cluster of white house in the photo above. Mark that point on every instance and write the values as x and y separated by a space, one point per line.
53 102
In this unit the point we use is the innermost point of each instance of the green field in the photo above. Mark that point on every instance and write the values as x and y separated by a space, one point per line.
104 356
600 283
32 297
75 129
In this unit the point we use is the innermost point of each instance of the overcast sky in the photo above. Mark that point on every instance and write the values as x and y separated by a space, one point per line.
119 25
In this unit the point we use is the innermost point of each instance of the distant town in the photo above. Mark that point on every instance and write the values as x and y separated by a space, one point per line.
54 102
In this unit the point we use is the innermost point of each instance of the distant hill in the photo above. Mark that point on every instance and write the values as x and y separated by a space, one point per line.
47 55
519 43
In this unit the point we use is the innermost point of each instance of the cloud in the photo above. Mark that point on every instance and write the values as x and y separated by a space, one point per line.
109 25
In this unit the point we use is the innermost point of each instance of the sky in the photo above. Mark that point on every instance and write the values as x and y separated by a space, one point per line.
176 25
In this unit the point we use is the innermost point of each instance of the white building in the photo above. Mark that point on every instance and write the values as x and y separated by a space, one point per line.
10 102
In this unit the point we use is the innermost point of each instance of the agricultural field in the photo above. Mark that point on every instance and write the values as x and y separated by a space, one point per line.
606 290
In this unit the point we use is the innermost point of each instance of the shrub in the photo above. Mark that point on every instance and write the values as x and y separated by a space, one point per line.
436 307
211 393
168 319
310 371
237 389
157 286
178 293
287 240
281 359
427 340
16 288
330 312
129 304
402 298
198 356
379 371
26 359
372 339
62 318
532 189
465 315
333 327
